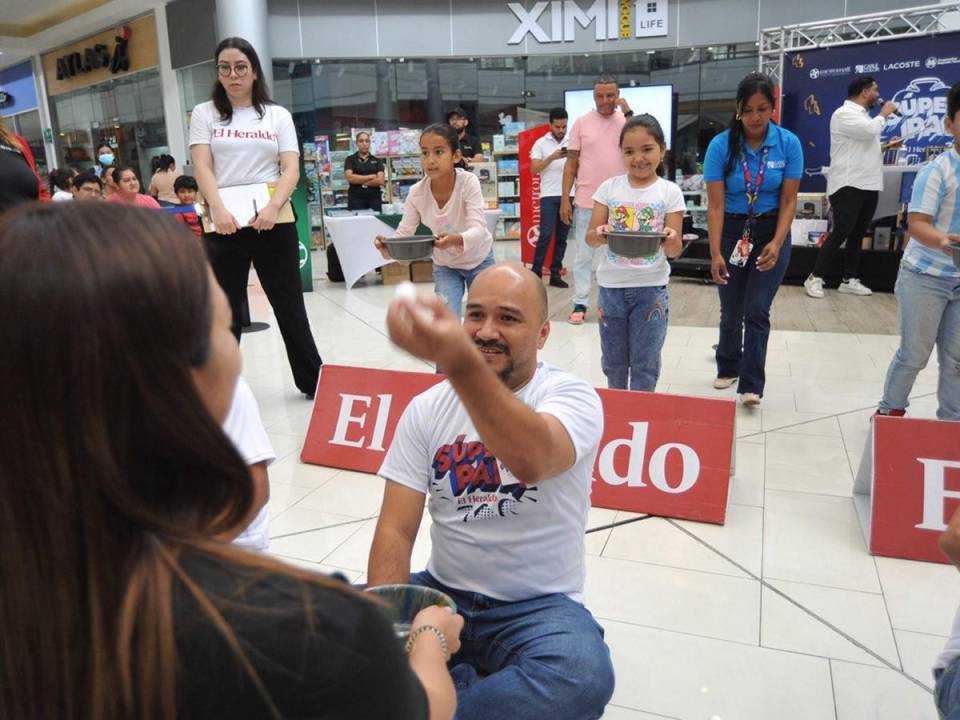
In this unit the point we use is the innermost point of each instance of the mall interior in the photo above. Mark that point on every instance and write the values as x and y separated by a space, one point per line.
808 574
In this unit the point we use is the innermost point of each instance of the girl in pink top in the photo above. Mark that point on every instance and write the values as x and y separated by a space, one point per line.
128 189
448 201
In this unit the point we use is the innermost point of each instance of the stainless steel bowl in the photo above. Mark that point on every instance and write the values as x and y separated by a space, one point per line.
634 244
956 253
413 247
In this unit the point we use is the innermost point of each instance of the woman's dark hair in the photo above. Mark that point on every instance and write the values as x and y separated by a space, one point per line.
117 171
447 132
260 94
103 145
110 463
61 179
651 125
953 102
752 84
162 163
362 132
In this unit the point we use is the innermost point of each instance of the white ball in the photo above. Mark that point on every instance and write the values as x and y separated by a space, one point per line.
406 291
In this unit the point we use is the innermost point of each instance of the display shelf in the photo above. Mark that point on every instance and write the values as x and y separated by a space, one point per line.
402 171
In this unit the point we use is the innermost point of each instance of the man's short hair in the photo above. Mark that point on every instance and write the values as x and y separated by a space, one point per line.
953 102
606 79
558 113
859 84
185 182
86 177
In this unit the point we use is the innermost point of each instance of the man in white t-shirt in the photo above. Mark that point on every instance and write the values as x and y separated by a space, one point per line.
946 668
245 430
503 451
547 159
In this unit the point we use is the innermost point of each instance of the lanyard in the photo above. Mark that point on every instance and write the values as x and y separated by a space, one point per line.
753 191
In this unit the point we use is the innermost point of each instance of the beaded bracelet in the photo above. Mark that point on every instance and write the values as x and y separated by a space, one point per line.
414 634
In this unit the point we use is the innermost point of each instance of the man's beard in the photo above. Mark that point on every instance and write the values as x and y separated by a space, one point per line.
508 369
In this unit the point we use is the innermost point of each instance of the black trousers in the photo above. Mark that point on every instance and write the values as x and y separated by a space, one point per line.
550 219
359 202
853 210
275 255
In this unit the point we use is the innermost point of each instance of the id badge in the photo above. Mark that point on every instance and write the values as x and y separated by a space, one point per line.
741 251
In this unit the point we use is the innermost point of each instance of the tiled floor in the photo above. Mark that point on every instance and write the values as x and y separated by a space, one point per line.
780 614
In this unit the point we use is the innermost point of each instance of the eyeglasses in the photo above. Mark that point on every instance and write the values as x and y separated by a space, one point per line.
225 69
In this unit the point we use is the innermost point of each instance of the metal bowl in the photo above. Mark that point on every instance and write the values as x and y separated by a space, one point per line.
413 247
635 244
956 253
405 601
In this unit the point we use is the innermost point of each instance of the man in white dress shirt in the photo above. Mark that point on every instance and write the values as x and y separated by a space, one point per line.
854 182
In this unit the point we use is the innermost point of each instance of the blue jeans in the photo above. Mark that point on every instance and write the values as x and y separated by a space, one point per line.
745 305
550 219
452 283
542 658
633 326
582 257
946 692
929 314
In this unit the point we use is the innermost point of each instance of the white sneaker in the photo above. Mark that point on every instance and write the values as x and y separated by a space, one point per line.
814 286
722 383
854 287
750 400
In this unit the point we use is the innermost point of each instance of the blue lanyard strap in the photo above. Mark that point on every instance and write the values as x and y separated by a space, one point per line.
753 190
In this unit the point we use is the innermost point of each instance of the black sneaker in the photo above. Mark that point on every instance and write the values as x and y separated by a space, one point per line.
557 281
538 273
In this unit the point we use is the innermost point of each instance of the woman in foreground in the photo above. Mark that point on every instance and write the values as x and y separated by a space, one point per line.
120 596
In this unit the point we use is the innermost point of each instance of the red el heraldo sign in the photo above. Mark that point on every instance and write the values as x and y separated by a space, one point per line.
916 486
666 455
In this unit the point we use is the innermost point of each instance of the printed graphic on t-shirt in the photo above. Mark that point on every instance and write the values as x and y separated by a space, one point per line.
636 217
469 477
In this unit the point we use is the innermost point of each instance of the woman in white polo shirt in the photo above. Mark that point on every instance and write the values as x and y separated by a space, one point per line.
241 137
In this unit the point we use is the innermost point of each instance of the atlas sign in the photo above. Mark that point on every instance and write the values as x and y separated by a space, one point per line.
661 454
558 21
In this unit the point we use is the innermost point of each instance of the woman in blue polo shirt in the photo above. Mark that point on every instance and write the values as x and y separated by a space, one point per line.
752 171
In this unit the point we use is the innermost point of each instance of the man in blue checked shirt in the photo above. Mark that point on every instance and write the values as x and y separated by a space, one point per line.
928 284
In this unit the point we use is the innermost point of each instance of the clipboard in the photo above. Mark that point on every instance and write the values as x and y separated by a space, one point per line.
286 214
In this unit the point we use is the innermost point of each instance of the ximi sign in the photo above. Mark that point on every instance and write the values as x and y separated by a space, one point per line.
559 21
96 57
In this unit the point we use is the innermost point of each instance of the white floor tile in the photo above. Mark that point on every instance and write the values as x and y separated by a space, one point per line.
861 616
674 599
298 520
870 693
347 493
806 463
700 678
921 597
797 423
815 539
747 483
355 551
293 472
284 495
918 652
615 712
314 545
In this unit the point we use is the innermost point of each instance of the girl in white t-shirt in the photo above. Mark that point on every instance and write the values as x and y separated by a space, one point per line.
241 137
448 201
634 304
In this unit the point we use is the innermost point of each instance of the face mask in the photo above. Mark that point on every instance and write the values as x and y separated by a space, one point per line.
106 159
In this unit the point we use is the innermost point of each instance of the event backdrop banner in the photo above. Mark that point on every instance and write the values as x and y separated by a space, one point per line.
666 455
915 73
530 197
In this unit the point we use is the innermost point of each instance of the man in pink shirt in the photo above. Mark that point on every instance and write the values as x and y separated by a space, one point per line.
593 155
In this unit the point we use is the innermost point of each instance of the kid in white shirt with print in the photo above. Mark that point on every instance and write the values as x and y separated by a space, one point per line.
449 201
634 304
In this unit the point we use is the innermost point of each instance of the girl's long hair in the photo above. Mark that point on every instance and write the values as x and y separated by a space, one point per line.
110 463
261 92
8 138
752 84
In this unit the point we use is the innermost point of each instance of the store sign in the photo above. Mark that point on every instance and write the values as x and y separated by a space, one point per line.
663 454
916 486
96 57
5 99
559 21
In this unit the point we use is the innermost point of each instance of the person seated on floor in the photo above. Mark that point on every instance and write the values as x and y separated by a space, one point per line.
503 450
121 596
946 668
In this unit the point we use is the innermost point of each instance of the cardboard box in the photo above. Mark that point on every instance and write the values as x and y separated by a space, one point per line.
421 271
395 273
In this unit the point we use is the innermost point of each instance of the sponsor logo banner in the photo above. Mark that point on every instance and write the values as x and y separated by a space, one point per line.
667 455
916 486
915 73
